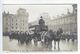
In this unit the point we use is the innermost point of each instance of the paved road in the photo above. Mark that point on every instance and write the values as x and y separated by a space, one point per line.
13 45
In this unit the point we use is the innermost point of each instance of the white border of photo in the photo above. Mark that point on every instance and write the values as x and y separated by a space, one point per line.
39 2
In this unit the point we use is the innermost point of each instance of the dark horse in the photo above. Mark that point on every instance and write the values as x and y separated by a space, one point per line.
50 36
57 37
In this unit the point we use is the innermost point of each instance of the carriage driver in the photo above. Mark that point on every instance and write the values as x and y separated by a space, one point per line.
41 27
41 23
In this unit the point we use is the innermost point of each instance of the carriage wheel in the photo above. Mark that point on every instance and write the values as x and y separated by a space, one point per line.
26 42
35 41
21 42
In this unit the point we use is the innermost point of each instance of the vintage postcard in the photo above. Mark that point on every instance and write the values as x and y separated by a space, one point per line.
40 27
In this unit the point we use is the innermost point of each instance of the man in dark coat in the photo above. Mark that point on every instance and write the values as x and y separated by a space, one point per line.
41 23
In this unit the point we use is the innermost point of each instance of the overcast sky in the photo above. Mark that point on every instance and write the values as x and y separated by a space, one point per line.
35 10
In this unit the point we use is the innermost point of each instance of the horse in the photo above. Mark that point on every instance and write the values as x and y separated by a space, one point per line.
50 36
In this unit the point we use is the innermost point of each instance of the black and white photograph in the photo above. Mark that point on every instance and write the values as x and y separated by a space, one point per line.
39 27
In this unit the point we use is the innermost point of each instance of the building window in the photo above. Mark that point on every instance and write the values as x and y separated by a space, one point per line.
12 20
16 20
6 19
16 23
6 28
16 27
12 27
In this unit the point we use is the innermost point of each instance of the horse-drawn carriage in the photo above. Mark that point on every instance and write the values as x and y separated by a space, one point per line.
38 33
44 35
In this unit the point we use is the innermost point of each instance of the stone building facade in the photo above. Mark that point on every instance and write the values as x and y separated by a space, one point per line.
67 22
15 22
